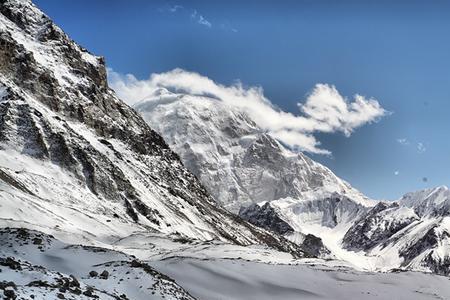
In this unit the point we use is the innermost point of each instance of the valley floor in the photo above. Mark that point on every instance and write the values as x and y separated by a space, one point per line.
238 279
146 266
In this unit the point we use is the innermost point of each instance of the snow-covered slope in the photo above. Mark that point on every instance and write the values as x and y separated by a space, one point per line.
37 264
413 233
77 162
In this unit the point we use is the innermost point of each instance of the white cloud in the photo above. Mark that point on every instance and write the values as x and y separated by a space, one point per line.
403 141
421 148
174 8
396 173
200 19
324 110
328 111
170 9
227 27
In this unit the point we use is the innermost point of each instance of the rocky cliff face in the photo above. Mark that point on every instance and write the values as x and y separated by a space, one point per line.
76 160
265 216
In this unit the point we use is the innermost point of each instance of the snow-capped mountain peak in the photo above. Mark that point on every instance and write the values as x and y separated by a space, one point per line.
250 172
238 162
429 201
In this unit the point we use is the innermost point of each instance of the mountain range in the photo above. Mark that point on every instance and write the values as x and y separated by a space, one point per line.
101 200
249 172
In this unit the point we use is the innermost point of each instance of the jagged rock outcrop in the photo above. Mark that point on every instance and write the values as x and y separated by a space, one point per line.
266 217
315 246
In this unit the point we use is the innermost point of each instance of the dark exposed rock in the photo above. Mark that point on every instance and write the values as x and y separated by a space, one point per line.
10 262
439 266
39 283
5 284
151 214
130 211
74 283
265 217
9 294
13 182
89 292
314 245
93 273
37 241
104 274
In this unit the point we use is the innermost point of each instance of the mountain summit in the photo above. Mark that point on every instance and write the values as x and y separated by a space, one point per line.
237 161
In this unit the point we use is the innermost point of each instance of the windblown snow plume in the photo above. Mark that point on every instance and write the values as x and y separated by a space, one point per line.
324 110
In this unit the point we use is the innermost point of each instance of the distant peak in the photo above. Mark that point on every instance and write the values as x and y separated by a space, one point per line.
440 188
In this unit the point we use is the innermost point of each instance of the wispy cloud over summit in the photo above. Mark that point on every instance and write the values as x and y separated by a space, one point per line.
324 109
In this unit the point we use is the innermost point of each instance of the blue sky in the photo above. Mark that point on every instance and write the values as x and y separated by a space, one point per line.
397 52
